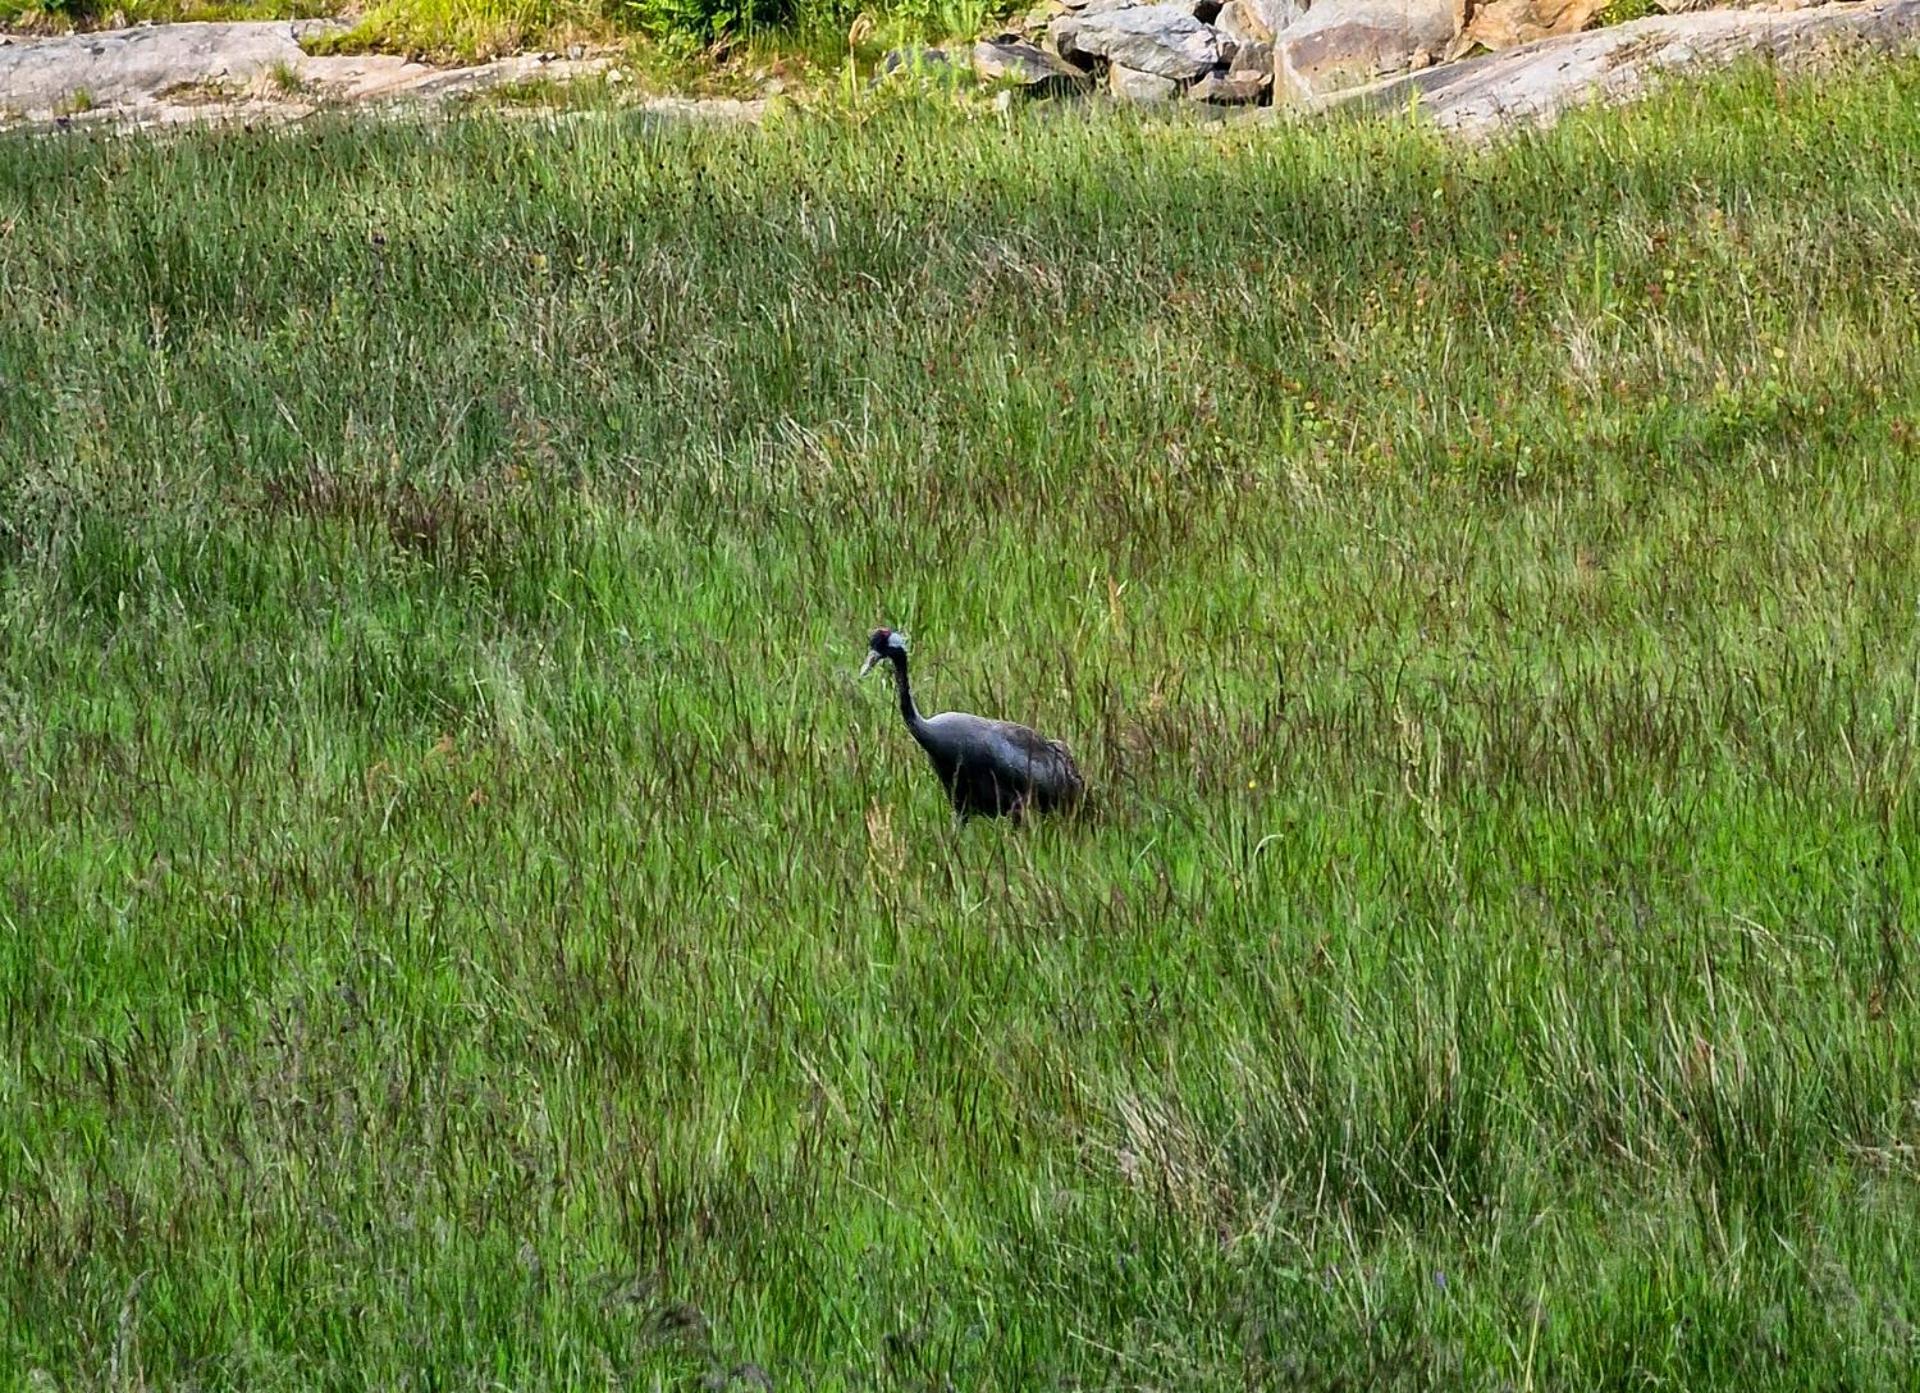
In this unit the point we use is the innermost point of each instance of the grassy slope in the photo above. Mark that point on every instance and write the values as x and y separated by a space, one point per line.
1481 587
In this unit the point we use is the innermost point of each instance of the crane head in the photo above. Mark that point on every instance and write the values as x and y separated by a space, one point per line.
883 643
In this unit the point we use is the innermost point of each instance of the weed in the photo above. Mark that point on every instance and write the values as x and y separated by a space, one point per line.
1624 11
202 93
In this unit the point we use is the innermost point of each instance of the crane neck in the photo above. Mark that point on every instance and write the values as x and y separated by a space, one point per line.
908 710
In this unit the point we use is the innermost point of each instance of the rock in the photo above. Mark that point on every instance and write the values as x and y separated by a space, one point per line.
1233 23
1230 89
1253 57
1135 86
1257 21
1347 43
1534 84
127 66
1165 40
1008 59
173 73
1504 24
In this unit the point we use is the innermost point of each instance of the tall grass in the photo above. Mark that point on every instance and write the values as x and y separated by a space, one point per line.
689 42
467 30
461 924
55 15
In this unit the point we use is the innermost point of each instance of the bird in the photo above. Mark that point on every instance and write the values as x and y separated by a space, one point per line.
989 768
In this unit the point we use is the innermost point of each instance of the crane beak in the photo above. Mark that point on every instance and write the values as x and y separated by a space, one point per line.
867 666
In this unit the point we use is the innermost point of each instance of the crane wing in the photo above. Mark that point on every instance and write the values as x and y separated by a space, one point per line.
1049 764
1002 752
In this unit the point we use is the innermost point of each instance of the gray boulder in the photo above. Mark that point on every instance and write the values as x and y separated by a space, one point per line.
1235 25
1230 88
1253 57
1534 84
125 66
1135 86
1010 59
1165 40
1257 21
1346 43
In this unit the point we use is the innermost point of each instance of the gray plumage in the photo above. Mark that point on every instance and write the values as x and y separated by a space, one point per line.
988 768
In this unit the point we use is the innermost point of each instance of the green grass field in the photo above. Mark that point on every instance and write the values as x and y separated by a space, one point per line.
451 31
462 926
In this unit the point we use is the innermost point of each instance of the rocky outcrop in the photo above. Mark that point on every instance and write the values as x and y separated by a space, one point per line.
170 73
1535 83
1205 51
1300 49
1166 40
1344 43
133 66
1312 54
